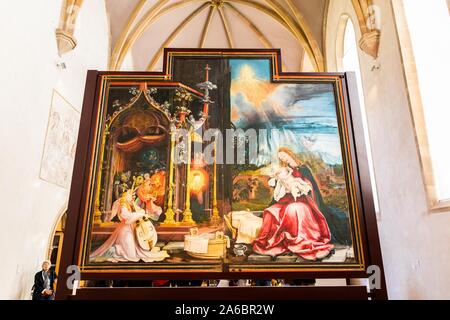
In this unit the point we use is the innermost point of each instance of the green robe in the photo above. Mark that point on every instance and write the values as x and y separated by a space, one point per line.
337 220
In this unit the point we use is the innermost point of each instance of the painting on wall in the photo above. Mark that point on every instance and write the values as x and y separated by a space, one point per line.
220 163
60 142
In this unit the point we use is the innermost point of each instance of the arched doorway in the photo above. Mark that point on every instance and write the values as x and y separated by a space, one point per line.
56 241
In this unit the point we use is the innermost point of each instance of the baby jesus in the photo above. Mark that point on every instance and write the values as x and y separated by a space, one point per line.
284 182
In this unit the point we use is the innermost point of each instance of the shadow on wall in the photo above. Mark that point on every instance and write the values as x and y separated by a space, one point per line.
412 291
24 286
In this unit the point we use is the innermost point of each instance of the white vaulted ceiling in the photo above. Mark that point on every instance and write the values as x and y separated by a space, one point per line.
140 29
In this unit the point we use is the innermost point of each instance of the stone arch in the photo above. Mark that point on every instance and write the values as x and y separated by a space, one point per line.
294 24
56 238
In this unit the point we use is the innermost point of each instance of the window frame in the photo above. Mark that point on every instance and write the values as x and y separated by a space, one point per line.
417 108
339 56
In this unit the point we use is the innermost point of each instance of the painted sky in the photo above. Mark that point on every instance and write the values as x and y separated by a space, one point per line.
259 66
303 114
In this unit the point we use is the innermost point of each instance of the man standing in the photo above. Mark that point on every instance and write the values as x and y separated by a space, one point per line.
44 282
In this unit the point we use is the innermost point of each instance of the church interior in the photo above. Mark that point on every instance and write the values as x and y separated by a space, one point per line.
396 51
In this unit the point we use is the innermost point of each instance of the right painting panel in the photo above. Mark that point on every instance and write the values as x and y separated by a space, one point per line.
291 193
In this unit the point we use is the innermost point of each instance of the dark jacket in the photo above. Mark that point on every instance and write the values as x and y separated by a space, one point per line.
39 284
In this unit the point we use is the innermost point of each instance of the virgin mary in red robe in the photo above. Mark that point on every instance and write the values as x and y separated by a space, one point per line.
294 223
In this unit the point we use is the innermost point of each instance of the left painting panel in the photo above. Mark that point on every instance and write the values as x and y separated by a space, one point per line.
140 210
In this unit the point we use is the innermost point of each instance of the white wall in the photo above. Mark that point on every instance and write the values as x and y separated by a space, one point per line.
415 243
28 58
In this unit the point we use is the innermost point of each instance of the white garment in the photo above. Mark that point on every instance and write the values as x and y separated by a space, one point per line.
197 244
247 224
223 283
284 182
243 283
122 245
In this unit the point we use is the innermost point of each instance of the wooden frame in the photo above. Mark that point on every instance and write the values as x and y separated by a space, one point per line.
370 248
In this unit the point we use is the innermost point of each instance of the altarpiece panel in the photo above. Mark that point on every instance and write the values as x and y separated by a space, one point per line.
219 165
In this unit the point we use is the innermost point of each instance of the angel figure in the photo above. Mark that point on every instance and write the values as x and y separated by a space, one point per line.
123 245
148 192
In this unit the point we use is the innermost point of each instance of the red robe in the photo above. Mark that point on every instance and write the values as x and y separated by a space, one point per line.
294 226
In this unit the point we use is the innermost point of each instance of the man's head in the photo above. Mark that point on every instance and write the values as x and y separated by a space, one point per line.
46 265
